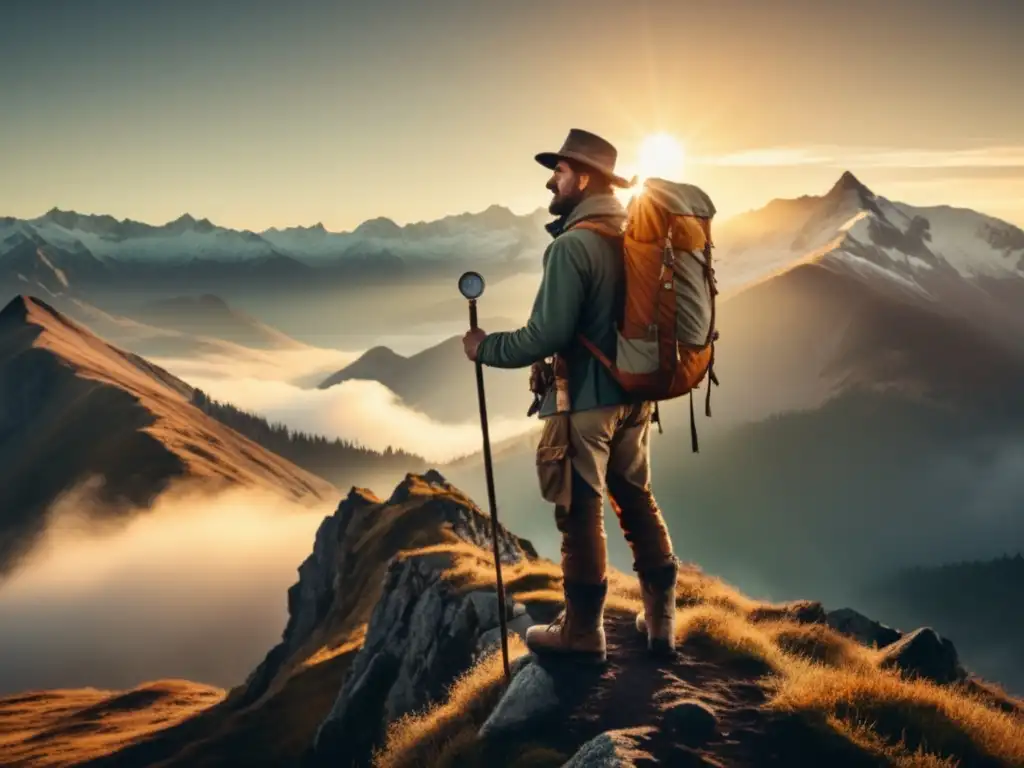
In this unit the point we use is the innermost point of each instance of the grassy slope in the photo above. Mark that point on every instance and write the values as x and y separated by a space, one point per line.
49 727
807 671
73 407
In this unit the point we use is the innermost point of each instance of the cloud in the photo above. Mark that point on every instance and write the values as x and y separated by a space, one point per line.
195 588
363 411
305 367
993 157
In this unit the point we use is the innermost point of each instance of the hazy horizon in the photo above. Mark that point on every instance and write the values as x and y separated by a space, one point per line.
291 115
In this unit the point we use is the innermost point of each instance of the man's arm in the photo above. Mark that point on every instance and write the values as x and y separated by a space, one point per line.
556 310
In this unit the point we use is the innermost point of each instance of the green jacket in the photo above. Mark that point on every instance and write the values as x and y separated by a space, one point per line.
578 294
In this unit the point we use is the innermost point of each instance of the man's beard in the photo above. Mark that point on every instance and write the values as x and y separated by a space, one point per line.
563 205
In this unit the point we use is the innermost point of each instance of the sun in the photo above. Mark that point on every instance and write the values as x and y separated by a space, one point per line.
659 155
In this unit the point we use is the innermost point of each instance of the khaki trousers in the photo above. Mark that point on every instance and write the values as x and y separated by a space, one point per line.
583 457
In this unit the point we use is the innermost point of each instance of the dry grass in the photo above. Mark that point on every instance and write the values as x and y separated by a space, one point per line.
728 631
55 727
896 755
948 722
351 644
694 587
530 582
447 733
821 644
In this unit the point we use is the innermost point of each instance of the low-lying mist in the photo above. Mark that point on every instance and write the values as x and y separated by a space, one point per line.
281 385
305 367
362 411
194 588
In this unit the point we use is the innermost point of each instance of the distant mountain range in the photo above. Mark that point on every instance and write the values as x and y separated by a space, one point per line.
61 249
299 278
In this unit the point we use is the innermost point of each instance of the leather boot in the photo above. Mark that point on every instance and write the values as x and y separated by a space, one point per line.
658 619
578 632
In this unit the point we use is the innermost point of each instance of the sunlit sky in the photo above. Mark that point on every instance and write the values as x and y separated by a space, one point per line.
258 114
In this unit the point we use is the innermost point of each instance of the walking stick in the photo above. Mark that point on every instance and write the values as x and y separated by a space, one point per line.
471 285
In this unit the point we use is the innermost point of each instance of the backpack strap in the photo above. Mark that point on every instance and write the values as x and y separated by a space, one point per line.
596 352
607 230
597 226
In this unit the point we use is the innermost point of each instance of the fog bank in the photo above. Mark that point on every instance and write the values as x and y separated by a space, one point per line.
195 588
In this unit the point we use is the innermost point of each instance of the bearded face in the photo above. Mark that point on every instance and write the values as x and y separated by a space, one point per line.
567 188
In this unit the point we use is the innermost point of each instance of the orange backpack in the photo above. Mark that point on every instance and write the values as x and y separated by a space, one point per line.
665 335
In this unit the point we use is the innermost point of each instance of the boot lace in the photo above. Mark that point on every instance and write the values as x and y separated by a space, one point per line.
558 623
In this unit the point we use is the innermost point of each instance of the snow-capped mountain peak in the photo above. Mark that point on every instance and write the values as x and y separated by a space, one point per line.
848 183
968 263
381 226
851 222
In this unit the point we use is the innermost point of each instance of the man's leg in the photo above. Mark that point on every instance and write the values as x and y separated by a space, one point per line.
629 486
580 630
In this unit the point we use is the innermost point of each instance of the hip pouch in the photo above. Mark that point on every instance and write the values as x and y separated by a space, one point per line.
554 461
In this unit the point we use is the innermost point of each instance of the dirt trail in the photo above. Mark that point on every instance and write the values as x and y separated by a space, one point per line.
637 692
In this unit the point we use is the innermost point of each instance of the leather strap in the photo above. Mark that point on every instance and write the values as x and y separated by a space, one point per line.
597 226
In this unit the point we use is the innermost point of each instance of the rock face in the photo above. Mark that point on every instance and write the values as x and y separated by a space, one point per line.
923 653
423 633
310 599
862 629
422 636
327 578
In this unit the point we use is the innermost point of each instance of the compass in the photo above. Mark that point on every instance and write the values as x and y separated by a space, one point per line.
471 285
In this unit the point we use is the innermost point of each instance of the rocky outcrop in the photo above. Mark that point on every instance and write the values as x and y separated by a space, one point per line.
311 597
455 510
422 508
862 629
423 634
423 631
923 653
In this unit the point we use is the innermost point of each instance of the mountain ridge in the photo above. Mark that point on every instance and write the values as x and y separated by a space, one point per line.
73 408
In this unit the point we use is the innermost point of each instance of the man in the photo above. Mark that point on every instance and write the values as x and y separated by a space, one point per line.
606 433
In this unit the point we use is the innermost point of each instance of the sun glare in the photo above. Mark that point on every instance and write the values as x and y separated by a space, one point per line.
658 155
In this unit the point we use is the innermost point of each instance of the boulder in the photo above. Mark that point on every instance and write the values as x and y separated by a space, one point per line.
691 722
613 749
862 629
923 653
530 700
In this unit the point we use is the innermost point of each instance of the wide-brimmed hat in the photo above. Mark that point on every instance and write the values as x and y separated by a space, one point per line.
590 150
